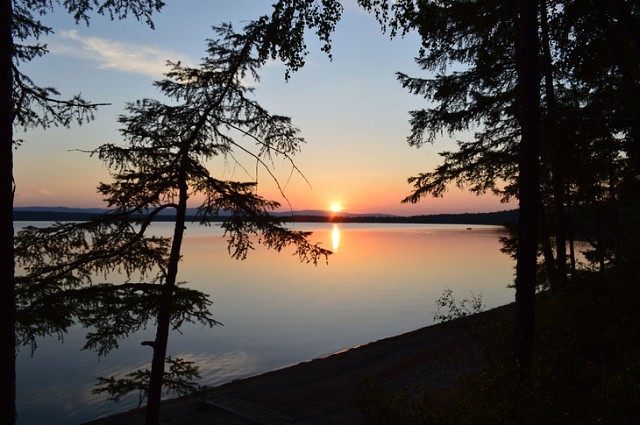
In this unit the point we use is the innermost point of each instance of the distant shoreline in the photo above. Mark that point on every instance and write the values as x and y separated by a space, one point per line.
498 218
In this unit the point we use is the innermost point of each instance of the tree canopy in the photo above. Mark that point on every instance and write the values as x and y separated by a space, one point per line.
547 91
588 72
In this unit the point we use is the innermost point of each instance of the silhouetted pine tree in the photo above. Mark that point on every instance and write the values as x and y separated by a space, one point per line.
25 104
209 113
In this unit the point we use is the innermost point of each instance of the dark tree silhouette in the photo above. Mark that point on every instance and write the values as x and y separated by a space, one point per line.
24 103
494 90
7 265
586 113
528 181
161 167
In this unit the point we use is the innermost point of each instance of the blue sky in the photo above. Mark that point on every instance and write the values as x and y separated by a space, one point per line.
352 111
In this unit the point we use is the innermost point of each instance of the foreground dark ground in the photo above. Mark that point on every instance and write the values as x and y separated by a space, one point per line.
586 371
327 390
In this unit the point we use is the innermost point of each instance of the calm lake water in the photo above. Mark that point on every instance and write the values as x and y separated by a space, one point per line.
382 280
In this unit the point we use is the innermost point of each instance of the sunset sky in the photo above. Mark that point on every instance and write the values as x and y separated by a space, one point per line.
352 112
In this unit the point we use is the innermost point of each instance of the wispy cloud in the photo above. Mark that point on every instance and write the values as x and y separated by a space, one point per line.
35 194
115 55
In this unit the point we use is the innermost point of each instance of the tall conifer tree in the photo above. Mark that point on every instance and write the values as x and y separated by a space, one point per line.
163 164
25 104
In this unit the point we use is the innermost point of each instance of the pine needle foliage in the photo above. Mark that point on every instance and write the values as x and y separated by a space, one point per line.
208 111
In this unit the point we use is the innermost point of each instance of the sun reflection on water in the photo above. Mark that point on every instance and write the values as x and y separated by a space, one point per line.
335 237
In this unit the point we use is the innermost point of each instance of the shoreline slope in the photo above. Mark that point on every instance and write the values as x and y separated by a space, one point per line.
324 390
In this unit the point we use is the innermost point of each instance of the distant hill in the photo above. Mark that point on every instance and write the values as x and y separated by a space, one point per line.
61 210
72 214
66 211
82 214
56 213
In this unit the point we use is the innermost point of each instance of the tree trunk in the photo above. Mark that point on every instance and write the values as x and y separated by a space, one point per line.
7 265
556 150
164 312
528 183
614 216
570 237
599 242
547 251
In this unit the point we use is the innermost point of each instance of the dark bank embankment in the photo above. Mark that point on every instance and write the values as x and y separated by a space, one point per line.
326 390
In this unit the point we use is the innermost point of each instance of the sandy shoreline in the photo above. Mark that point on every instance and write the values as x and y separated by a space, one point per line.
322 391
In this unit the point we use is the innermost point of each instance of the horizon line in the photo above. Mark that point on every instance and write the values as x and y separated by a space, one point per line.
306 211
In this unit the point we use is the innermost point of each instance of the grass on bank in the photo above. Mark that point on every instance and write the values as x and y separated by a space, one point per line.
586 369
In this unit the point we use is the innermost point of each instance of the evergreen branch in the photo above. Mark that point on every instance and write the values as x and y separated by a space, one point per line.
263 143
259 161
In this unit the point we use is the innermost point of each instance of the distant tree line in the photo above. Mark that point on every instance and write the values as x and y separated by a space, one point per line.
498 218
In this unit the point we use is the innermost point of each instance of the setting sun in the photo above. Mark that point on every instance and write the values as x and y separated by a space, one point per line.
336 207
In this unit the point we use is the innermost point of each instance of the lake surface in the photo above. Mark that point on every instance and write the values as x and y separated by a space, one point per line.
382 280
